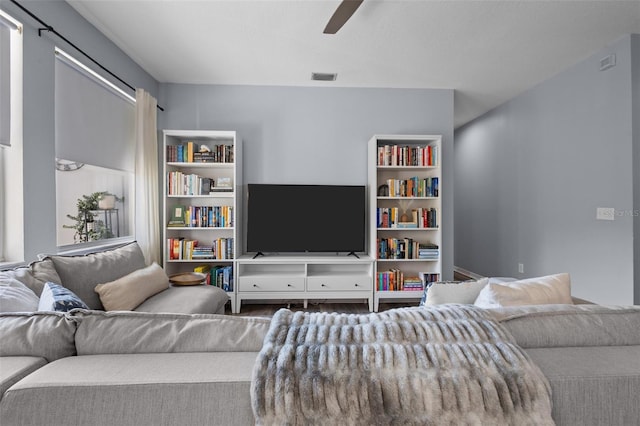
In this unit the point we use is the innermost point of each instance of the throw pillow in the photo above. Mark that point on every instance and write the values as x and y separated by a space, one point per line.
440 292
54 297
80 274
126 293
550 289
16 297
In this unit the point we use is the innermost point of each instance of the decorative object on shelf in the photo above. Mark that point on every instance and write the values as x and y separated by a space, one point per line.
87 226
188 278
223 184
383 190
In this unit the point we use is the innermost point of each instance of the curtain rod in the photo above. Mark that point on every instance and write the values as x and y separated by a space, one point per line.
49 28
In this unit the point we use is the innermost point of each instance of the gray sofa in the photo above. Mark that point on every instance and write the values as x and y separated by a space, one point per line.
157 368
127 368
135 368
81 274
590 355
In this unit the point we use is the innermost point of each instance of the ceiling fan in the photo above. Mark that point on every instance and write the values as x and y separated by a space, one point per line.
341 15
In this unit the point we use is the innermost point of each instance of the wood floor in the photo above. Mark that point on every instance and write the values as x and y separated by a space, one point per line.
267 310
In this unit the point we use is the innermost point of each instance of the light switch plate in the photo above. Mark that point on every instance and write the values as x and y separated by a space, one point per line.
605 213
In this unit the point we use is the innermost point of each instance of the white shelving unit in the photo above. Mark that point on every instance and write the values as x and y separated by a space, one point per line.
379 173
305 277
205 235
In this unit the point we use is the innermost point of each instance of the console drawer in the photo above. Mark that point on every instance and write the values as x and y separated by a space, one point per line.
282 283
342 283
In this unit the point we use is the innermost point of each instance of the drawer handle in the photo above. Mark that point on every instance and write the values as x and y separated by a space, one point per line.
289 285
322 285
357 285
255 285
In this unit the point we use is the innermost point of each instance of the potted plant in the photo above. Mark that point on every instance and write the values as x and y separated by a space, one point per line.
87 226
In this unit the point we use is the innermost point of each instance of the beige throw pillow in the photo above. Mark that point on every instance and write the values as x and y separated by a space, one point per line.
126 293
550 289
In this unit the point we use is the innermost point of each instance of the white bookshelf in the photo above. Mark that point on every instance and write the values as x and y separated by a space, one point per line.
379 174
205 235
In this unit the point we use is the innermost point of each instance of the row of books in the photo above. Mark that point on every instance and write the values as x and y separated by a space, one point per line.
179 183
191 152
201 216
389 217
217 275
414 187
405 248
394 280
428 252
185 249
396 155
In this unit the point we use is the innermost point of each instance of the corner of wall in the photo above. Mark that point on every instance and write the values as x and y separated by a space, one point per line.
635 114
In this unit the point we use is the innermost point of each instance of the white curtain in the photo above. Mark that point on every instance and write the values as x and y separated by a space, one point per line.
5 80
147 202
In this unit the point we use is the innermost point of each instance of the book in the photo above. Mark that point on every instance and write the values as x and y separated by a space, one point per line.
190 148
177 217
407 225
204 269
205 186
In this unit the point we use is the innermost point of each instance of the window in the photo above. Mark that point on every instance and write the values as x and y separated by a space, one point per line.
11 237
95 156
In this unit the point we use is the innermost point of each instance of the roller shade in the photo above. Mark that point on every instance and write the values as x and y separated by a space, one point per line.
95 122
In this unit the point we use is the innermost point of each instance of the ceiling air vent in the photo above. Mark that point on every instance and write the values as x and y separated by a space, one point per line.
323 76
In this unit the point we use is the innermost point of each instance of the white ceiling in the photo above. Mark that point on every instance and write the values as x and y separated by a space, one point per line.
488 51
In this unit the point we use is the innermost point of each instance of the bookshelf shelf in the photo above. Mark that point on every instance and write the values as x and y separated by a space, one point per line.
406 167
199 228
407 295
407 260
186 164
213 195
407 229
404 174
189 192
407 198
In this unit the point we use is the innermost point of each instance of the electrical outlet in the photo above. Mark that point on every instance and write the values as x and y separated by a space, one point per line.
521 268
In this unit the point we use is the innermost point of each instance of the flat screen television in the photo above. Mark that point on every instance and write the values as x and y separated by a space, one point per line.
306 218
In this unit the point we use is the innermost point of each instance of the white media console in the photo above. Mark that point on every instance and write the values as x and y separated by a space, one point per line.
304 277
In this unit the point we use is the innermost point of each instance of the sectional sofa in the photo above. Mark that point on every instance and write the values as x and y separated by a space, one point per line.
88 366
133 285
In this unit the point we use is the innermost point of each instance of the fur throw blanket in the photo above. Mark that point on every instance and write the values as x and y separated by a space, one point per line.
441 365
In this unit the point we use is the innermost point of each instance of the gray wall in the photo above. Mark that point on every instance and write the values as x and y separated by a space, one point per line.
316 135
38 114
530 174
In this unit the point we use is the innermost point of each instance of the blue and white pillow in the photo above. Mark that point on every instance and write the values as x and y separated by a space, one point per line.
54 297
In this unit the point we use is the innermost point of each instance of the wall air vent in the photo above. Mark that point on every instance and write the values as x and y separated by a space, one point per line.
323 76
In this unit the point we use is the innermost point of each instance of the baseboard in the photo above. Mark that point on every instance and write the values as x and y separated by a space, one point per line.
471 275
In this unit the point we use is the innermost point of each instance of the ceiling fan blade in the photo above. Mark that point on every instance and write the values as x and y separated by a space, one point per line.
342 15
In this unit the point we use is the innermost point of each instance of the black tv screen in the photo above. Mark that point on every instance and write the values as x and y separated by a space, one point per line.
306 218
